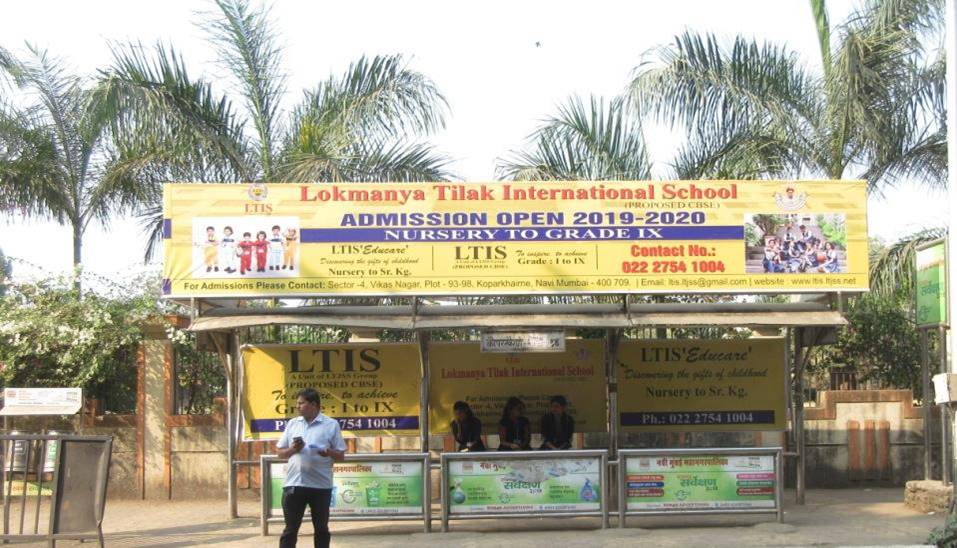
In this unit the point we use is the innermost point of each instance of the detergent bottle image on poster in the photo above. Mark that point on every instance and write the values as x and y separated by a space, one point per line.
372 495
587 492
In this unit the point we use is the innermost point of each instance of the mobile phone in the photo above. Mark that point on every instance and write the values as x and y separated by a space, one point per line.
297 440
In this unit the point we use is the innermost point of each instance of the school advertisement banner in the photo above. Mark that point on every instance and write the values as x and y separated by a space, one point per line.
932 284
669 385
460 371
697 482
362 488
371 389
539 485
273 240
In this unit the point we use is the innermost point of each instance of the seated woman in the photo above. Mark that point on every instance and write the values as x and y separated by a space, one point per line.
514 430
831 263
466 428
557 425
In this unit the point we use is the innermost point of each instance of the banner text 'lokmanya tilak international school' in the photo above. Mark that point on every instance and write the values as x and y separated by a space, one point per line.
318 239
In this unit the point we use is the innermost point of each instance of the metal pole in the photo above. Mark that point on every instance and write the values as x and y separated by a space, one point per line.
423 339
612 338
799 415
925 399
945 437
230 421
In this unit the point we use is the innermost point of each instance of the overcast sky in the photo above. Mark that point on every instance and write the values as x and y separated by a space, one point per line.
503 66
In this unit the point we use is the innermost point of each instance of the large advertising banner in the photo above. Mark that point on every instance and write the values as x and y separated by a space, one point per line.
533 485
371 389
700 482
669 385
460 371
273 240
362 488
932 284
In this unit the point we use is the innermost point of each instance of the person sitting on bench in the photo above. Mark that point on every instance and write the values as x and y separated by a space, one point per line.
557 425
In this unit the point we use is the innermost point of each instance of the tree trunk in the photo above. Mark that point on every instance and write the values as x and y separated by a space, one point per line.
77 253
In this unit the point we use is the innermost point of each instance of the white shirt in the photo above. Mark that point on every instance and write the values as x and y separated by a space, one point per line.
307 468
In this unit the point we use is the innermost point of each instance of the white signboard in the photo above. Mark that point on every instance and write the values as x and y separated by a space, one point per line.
41 401
523 341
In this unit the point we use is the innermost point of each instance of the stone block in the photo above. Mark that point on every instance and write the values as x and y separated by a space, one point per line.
927 496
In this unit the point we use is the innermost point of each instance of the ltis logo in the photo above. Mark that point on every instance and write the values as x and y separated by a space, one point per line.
258 192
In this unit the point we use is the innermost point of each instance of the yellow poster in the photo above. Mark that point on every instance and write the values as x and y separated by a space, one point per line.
270 240
459 371
371 389
685 385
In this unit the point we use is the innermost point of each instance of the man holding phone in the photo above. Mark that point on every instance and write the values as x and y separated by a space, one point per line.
310 442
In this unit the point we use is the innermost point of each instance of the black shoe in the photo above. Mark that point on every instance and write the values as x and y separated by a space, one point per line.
209 269
216 268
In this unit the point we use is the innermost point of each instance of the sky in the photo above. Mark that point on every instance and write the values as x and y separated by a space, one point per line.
502 65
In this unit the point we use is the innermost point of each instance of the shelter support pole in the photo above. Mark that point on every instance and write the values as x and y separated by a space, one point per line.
925 399
946 465
798 416
423 338
234 358
612 338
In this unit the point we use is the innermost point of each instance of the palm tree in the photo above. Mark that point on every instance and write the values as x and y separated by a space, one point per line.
54 152
598 141
364 125
752 109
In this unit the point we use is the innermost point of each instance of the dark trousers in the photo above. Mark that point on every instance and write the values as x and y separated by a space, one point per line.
294 501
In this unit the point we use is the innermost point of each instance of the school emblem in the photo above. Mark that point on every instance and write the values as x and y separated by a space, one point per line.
790 200
257 192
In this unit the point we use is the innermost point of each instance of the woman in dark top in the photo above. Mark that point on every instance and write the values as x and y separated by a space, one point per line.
557 425
466 428
514 430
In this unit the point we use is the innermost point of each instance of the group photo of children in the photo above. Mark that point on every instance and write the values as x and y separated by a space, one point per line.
254 246
795 244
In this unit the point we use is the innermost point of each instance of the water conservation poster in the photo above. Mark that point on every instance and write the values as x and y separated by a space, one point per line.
363 488
555 237
700 482
534 485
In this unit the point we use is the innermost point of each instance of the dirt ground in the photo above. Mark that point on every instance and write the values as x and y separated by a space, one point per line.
871 517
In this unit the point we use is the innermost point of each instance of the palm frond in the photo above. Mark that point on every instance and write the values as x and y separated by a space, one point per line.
697 83
157 93
32 177
598 141
379 97
893 267
248 45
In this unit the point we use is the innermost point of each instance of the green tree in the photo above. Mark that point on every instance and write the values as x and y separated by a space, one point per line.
366 124
600 140
881 342
53 335
751 109
55 151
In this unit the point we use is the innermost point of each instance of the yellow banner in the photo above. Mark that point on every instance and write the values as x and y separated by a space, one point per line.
500 238
459 371
371 389
684 385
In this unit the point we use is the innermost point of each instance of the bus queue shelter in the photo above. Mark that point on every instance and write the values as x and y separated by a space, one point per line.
805 324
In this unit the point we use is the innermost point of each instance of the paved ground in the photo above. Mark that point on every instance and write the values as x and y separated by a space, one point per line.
874 517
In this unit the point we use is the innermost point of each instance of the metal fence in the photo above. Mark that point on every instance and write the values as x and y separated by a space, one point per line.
43 475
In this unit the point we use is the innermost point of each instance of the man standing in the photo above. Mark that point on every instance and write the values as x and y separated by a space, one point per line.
311 442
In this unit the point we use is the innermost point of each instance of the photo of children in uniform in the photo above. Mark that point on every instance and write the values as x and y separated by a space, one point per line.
795 244
254 246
